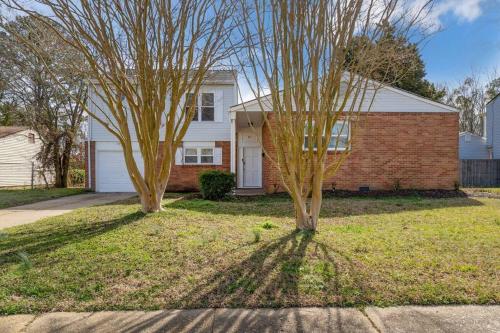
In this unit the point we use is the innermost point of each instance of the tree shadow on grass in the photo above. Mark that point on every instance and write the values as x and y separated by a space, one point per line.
293 270
282 206
38 241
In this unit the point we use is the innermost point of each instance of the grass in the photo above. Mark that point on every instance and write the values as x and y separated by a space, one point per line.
199 253
10 197
489 190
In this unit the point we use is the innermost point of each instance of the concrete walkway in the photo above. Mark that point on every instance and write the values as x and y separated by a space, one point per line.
453 319
25 214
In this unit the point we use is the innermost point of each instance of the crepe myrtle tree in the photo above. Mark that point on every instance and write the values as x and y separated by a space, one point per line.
301 64
143 57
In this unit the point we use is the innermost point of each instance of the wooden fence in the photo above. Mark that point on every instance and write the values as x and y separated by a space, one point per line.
480 173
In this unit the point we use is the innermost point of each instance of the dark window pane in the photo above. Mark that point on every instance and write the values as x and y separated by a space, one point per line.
190 159
207 114
207 159
207 99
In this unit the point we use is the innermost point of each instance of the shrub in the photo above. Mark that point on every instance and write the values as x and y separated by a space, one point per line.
256 235
267 225
215 184
76 177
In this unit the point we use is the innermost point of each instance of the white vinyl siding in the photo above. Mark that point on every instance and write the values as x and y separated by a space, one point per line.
472 147
217 130
16 156
387 99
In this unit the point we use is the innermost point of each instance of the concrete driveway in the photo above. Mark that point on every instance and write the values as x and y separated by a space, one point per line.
25 214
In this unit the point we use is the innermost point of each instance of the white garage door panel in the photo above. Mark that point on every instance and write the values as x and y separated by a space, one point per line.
112 174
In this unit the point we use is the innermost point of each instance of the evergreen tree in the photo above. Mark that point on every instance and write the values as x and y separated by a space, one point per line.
405 68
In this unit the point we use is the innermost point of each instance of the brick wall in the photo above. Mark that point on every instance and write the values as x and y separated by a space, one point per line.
418 150
90 178
185 177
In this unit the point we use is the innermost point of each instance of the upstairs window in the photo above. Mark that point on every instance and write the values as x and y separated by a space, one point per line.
339 139
204 106
198 156
207 107
31 138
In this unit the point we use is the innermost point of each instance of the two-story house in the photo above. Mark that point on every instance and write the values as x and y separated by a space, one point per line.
403 139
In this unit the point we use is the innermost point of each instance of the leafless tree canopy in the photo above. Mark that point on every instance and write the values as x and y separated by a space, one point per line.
301 53
143 57
46 89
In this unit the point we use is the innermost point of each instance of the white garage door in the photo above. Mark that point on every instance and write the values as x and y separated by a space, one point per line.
112 174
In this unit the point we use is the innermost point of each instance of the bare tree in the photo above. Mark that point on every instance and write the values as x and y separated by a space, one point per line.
470 99
143 58
39 83
298 51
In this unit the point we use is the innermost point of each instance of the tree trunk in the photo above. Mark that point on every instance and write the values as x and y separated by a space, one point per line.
307 216
65 159
57 167
304 219
151 202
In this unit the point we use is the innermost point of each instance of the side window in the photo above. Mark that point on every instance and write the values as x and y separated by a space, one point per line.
31 138
339 139
199 156
207 107
340 136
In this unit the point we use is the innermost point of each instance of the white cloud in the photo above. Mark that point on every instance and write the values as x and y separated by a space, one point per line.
464 10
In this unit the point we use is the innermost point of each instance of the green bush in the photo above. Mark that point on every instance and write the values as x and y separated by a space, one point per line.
76 177
215 184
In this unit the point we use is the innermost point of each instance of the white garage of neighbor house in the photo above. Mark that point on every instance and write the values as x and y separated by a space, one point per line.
18 149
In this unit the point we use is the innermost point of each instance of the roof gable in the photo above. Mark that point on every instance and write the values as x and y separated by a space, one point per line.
9 130
387 99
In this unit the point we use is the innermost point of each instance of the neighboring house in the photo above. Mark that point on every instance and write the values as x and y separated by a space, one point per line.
476 147
18 149
404 140
473 147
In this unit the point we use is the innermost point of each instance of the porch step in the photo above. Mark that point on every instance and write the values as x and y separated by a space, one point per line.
247 192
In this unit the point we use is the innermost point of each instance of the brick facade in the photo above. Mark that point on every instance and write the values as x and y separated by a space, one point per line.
416 150
90 179
185 177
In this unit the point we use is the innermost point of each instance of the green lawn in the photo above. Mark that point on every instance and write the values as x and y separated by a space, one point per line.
17 196
204 254
489 190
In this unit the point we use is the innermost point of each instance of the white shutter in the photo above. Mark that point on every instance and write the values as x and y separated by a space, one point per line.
219 106
218 156
178 156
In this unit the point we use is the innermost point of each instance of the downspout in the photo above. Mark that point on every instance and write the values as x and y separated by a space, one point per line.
89 130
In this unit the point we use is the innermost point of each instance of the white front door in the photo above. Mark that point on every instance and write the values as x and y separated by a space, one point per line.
252 166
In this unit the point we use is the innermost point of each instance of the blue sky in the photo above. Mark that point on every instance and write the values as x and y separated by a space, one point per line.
468 41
